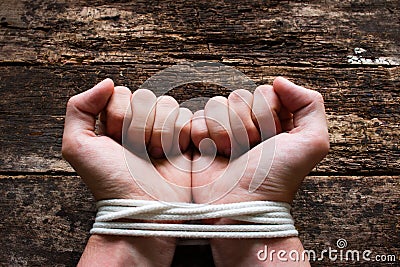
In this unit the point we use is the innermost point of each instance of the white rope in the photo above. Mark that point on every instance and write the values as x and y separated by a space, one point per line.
272 219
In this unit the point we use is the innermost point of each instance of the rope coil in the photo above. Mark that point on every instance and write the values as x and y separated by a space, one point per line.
270 219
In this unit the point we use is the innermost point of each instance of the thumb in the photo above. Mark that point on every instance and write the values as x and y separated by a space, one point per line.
83 108
310 133
307 107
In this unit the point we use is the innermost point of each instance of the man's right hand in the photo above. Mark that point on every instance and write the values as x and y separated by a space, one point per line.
100 158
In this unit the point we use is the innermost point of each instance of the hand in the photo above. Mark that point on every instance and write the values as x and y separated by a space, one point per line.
100 161
286 127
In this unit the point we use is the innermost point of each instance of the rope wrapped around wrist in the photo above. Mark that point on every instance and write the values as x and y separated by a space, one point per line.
269 219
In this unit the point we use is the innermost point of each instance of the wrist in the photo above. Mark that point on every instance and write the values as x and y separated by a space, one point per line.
258 252
108 250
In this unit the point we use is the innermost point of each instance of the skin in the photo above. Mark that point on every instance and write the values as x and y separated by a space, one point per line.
301 140
284 118
99 160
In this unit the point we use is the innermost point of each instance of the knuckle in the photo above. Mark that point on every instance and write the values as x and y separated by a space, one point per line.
317 96
216 102
219 99
167 101
184 117
72 102
198 113
144 94
186 112
122 90
263 89
239 95
144 91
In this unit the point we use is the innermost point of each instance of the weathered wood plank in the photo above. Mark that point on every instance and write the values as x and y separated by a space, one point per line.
35 231
131 40
362 106
244 32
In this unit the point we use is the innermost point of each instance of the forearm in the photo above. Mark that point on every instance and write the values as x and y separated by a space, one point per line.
259 252
103 250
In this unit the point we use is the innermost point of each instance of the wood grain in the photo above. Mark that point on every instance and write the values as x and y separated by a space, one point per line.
255 33
362 107
53 49
45 219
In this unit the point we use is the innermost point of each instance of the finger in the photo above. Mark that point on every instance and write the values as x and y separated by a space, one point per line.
141 120
243 129
217 120
182 130
113 116
266 107
199 128
167 111
203 157
83 108
286 120
307 106
81 113
179 157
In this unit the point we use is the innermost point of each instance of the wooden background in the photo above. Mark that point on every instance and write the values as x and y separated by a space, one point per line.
347 50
